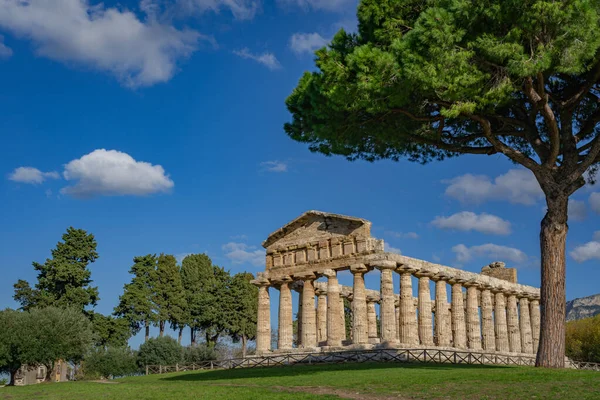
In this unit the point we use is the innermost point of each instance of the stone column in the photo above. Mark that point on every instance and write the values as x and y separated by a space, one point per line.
407 322
309 331
285 338
372 318
321 316
534 311
360 328
459 335
425 323
487 320
387 314
525 326
442 334
342 319
334 336
512 319
472 315
263 320
500 320
397 309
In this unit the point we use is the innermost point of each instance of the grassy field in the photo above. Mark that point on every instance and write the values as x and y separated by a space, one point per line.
350 381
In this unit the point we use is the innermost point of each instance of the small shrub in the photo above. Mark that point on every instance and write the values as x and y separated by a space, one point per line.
199 353
3 381
583 339
111 362
160 351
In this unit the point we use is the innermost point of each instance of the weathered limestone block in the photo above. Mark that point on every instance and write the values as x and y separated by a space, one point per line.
473 324
309 332
387 309
360 329
397 309
321 316
512 319
263 320
407 321
501 324
372 317
425 323
442 333
498 270
334 335
285 338
534 311
525 326
487 320
342 319
459 334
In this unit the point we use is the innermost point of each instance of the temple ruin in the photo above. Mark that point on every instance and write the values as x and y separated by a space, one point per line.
488 312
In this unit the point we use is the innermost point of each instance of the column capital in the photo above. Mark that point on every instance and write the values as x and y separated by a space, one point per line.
329 273
373 299
424 274
383 264
281 280
454 281
320 292
472 283
406 269
260 281
358 268
307 276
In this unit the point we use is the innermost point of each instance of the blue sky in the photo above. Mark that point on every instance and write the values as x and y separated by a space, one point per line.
157 126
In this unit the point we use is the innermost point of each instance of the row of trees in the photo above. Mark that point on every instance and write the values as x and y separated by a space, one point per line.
583 339
198 294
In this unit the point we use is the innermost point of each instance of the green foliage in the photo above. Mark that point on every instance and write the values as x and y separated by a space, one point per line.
135 304
583 339
63 280
3 381
244 310
169 297
348 316
110 331
110 362
160 351
11 341
199 353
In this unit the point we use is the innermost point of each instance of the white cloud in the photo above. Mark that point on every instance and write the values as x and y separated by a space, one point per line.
595 202
267 59
588 251
111 172
138 52
306 42
596 236
274 166
240 253
31 175
403 235
5 51
240 9
391 249
577 210
518 186
326 5
489 251
469 221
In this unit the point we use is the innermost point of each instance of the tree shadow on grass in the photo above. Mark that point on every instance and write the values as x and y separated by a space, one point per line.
305 369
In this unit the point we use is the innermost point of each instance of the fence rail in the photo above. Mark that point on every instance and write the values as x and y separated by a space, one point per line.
361 356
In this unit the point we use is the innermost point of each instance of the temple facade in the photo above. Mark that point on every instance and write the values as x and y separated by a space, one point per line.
488 312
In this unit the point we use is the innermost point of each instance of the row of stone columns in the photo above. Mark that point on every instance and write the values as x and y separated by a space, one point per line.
490 319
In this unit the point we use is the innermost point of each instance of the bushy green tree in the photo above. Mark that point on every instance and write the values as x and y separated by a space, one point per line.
110 362
13 336
63 280
110 331
135 304
243 313
583 339
427 80
199 353
160 351
169 297
196 270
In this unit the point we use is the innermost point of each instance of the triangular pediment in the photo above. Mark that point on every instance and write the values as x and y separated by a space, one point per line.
315 226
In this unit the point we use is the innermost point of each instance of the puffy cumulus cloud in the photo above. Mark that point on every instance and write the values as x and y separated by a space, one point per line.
517 186
112 173
241 253
240 9
587 251
31 175
391 249
326 5
489 251
577 210
469 221
403 235
301 43
274 166
138 52
267 59
595 202
5 51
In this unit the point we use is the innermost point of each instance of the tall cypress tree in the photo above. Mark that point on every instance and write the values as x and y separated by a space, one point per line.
63 280
196 270
136 302
244 309
169 296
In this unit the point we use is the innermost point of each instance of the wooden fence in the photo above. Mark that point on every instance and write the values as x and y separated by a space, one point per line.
361 356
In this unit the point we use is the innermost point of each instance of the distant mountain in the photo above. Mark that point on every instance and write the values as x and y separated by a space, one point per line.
584 307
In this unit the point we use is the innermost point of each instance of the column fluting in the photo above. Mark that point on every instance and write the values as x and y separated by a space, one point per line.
387 310
512 321
534 311
459 335
360 329
472 315
407 322
525 326
334 336
500 322
487 320
285 331
442 334
425 322
309 332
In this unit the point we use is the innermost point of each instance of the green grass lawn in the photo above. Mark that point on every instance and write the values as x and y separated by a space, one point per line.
353 381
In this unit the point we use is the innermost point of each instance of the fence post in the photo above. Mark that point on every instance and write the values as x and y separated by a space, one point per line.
193 367
146 369
176 367
211 365
160 369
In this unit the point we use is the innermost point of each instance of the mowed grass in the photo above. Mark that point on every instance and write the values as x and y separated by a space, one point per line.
355 381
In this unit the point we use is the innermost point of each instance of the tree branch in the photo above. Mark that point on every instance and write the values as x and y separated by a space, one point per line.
540 100
591 79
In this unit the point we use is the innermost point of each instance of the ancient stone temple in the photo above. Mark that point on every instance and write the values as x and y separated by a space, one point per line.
488 312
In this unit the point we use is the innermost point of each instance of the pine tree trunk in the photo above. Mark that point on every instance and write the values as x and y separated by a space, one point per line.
193 336
244 346
147 332
13 376
180 334
161 325
553 235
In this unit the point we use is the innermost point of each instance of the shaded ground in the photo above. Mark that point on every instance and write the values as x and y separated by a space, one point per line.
348 381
